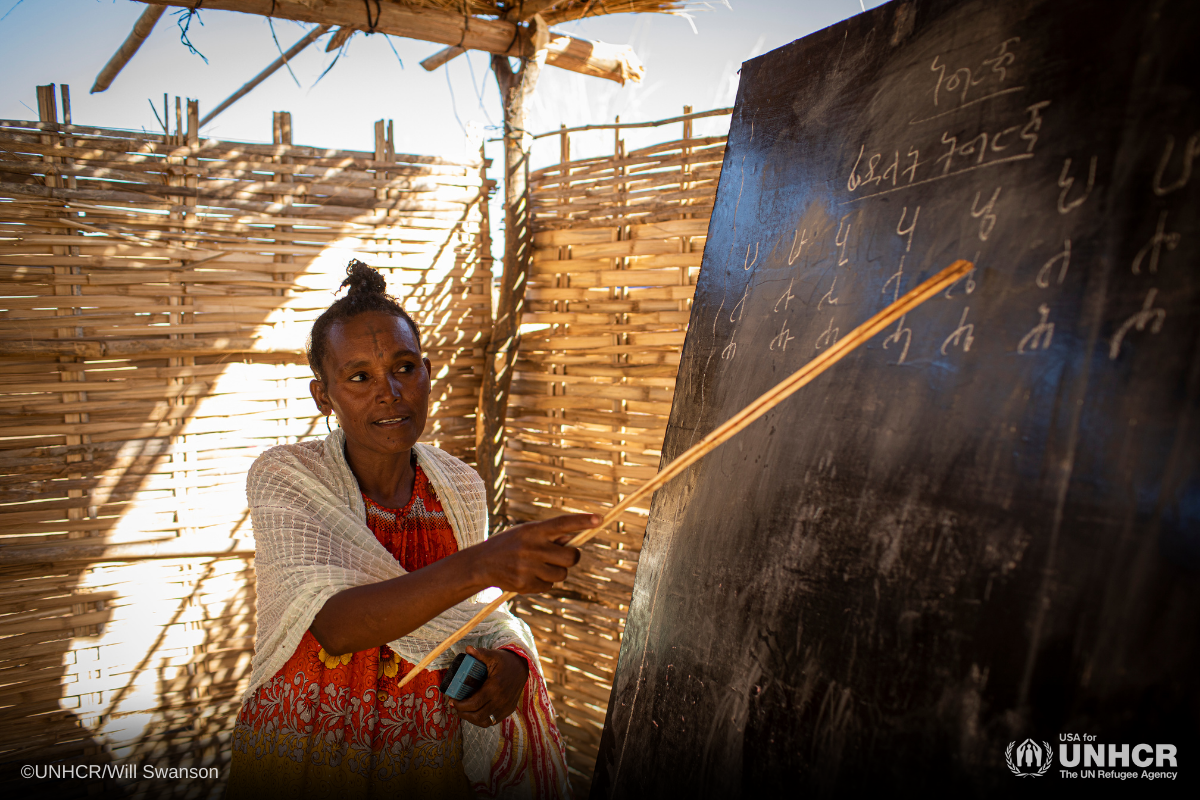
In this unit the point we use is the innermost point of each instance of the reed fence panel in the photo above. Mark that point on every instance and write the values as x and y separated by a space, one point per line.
617 247
155 295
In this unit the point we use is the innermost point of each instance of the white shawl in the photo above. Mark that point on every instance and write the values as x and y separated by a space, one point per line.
312 541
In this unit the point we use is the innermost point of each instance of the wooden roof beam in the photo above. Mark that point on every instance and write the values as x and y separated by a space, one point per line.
519 13
499 37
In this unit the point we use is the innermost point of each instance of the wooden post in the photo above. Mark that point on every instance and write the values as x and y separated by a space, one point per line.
71 369
501 354
381 194
620 319
281 135
561 281
486 261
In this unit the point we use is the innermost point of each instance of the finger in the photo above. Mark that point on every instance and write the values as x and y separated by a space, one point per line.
567 523
552 574
575 551
473 704
473 717
490 659
560 556
494 710
480 703
481 706
533 585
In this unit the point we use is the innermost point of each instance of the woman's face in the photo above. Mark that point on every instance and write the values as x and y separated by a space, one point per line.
376 382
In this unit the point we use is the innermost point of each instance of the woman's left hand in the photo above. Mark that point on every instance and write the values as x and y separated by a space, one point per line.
499 695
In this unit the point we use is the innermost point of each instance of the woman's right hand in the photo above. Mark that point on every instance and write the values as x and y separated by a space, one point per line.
531 557
525 559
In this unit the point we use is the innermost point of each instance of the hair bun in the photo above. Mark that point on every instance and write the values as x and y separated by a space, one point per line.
363 280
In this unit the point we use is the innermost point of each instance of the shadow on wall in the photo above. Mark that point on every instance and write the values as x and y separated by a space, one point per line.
157 291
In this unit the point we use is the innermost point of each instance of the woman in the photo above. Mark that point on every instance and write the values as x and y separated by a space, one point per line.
371 548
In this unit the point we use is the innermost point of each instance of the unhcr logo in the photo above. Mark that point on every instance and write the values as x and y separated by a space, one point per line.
1031 759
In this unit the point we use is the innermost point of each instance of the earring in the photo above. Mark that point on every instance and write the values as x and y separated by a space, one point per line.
327 424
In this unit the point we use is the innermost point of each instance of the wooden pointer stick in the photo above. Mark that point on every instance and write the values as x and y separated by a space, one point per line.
727 430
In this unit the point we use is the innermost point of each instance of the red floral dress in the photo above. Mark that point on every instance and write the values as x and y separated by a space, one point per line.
337 727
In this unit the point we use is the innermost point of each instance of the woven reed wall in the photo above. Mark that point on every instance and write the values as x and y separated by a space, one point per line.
155 294
617 249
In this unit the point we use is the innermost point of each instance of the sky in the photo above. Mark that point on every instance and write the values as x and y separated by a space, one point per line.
446 112
69 41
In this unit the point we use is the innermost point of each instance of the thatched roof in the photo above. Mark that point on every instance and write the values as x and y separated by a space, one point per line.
553 13
500 27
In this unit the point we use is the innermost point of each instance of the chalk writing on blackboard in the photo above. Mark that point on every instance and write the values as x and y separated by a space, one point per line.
735 315
967 281
902 332
828 298
963 334
748 264
895 337
840 241
1041 334
786 297
1149 315
902 231
1030 131
964 78
1153 248
1064 261
782 338
829 337
894 281
798 242
1190 151
892 171
977 152
984 143
1066 181
988 221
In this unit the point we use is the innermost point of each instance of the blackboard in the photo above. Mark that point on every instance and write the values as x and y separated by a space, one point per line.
984 526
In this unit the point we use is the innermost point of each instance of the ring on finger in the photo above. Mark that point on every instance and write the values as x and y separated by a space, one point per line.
492 717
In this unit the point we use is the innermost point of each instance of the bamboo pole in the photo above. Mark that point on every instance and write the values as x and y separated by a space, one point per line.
308 39
128 48
735 424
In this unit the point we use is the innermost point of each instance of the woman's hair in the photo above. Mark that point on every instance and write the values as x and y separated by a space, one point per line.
367 291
